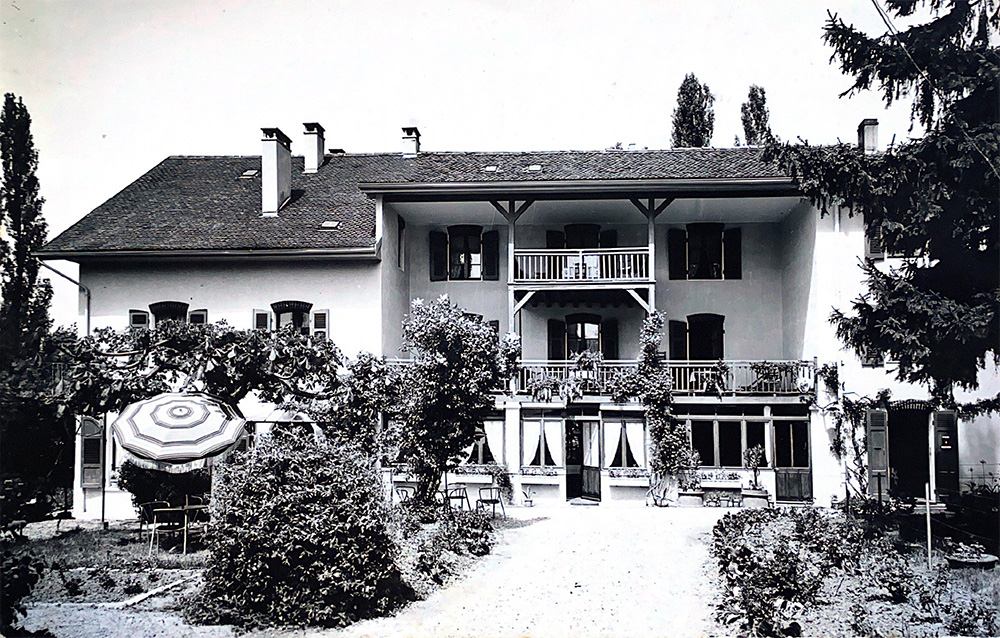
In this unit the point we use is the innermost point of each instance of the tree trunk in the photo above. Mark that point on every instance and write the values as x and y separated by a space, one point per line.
427 484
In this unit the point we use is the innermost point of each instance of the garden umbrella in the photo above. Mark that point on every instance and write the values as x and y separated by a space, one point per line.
178 431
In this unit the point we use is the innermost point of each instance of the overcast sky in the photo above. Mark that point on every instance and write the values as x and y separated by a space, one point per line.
115 86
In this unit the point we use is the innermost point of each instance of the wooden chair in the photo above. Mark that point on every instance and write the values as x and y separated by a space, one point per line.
492 498
146 512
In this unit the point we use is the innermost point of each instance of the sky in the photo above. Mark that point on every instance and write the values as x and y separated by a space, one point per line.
114 86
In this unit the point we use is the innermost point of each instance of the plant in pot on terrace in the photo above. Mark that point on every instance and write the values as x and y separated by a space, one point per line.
542 386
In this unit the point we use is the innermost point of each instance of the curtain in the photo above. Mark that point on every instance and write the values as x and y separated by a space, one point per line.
612 436
553 441
532 431
468 453
591 444
494 439
636 443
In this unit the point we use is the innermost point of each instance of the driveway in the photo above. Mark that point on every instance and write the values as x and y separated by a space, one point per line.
612 570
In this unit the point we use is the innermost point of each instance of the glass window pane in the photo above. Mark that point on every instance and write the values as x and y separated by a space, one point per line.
755 435
703 441
730 444
800 444
783 444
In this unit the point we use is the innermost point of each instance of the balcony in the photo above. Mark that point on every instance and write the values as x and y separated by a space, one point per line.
582 266
730 378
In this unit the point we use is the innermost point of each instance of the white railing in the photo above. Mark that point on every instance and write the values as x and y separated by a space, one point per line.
771 377
587 265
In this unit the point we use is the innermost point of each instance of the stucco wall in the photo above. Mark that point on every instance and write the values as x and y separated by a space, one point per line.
752 305
395 283
534 322
231 290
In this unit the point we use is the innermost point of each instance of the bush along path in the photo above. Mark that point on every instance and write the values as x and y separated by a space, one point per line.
815 572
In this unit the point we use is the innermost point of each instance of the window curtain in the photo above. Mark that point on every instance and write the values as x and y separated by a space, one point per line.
467 453
553 441
532 431
612 436
634 431
494 439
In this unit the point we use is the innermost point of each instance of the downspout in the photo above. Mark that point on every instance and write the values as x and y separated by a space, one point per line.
104 468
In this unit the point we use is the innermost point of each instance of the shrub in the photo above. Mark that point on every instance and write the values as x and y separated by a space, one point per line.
21 573
153 485
467 532
299 536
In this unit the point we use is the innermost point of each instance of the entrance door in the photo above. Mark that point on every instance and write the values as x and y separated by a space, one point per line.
591 469
793 477
574 459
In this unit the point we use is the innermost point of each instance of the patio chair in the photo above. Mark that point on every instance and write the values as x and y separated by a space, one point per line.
146 512
167 521
404 494
197 522
490 496
459 494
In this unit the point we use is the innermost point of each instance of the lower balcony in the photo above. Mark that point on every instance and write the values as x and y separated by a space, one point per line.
728 377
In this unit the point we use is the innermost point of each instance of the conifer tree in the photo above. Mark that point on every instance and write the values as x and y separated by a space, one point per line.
694 115
755 116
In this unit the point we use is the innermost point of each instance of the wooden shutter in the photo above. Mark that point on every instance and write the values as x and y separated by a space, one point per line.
557 340
609 338
677 253
732 253
718 336
555 239
877 424
261 319
946 452
91 453
491 255
438 249
609 239
138 319
874 246
582 235
321 324
678 340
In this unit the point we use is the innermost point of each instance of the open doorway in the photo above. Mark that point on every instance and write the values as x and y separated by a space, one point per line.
909 452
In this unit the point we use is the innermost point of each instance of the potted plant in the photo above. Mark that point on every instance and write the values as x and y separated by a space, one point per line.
973 555
587 363
542 386
754 496
689 492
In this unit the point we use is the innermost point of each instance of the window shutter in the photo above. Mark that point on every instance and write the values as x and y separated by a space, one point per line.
609 239
138 319
582 235
439 255
732 253
491 255
946 452
874 246
555 239
678 340
198 317
609 338
878 451
261 319
321 324
92 453
718 337
677 253
557 340
495 325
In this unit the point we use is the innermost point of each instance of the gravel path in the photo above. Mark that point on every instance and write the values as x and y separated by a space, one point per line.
575 571
612 570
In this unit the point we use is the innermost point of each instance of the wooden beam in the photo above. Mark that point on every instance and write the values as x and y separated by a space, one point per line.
524 300
659 209
638 298
500 208
523 207
642 207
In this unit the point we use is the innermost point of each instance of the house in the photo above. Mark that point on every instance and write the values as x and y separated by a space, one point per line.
571 250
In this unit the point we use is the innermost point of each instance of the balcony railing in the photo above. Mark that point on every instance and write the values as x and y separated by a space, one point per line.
588 265
732 378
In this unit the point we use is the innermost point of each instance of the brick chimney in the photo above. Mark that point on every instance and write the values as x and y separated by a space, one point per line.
411 141
868 135
314 146
276 171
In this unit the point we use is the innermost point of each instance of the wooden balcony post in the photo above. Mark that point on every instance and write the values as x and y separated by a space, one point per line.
651 219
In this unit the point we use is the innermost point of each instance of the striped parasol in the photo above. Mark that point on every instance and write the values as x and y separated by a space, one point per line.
177 431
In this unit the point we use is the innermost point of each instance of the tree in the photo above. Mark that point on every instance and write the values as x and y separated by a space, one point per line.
447 392
756 129
24 309
694 115
933 199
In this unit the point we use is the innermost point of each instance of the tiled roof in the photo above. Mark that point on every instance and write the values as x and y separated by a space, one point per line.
200 203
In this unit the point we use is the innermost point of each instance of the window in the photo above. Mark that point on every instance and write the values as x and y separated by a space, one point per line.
92 453
198 317
541 442
703 441
138 319
730 444
400 242
292 313
482 449
261 319
169 311
705 251
583 333
721 442
464 252
791 443
705 337
320 320
628 440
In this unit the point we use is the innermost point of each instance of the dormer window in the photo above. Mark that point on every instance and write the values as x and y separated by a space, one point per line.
298 314
169 311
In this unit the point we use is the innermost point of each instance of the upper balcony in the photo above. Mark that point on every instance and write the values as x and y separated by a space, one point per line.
582 266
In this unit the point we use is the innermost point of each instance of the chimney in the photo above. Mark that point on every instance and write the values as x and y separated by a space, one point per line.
411 141
314 146
868 135
276 171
